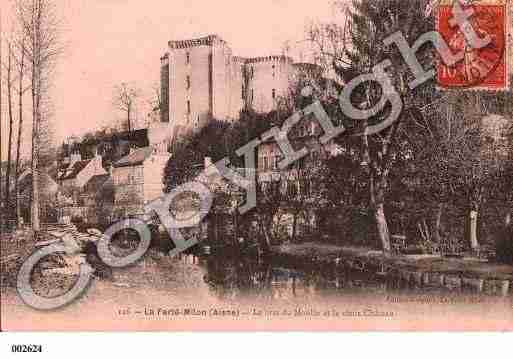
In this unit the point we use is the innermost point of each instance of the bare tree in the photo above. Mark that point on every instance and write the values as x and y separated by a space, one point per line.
331 40
41 28
21 92
1 113
11 123
125 98
155 100
270 198
247 93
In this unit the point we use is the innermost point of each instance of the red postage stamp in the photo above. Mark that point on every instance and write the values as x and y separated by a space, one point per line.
481 68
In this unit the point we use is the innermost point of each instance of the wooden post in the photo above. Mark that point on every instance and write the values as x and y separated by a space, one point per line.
473 230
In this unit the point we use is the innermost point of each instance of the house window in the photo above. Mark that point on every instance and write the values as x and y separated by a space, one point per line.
243 91
188 82
306 187
188 107
300 164
276 161
252 94
188 58
265 163
315 157
274 94
292 189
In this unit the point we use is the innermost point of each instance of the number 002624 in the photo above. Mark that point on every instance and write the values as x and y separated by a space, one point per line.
34 348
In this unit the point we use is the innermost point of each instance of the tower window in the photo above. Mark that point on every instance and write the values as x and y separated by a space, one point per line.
188 107
243 92
188 82
274 94
188 58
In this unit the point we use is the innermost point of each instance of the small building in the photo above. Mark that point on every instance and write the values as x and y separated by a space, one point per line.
50 193
75 174
137 180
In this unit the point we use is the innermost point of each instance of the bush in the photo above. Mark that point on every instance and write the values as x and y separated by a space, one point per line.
504 245
76 220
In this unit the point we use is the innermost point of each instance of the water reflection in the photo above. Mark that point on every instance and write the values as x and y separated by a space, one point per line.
235 279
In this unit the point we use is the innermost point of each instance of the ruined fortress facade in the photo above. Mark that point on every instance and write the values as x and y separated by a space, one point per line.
202 79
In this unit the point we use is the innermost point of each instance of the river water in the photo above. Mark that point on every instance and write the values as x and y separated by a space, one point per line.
219 292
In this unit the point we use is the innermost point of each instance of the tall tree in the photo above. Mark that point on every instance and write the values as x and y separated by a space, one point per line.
371 21
41 27
8 203
1 102
21 92
125 98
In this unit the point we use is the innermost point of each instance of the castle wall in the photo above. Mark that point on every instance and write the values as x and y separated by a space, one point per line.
164 89
221 75
269 74
190 86
236 81
206 81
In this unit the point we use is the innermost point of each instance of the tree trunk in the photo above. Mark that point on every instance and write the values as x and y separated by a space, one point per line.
128 120
382 227
377 204
294 227
34 203
9 147
474 245
1 117
20 130
438 223
266 244
36 113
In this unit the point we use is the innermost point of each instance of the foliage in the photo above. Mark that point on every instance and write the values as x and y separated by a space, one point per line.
504 245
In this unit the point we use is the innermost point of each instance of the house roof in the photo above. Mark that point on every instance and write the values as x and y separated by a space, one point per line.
25 183
73 170
135 158
96 182
135 138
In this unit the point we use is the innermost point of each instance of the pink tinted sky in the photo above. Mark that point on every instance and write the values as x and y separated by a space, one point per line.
111 41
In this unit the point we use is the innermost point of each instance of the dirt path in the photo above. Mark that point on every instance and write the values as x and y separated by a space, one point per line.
155 282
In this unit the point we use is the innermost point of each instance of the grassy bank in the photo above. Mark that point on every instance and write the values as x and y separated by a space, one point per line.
420 270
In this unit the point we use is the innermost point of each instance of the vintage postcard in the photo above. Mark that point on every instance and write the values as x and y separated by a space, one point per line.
275 165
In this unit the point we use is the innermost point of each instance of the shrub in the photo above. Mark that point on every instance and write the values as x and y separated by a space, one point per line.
504 245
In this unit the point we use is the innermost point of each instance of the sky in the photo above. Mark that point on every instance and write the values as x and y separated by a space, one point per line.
114 41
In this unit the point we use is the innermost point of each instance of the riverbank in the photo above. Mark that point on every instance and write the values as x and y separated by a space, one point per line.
465 273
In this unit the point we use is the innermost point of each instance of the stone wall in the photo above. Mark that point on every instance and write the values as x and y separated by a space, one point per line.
190 86
206 81
129 185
